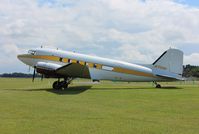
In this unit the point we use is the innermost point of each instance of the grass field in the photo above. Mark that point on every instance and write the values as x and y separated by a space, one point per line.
105 108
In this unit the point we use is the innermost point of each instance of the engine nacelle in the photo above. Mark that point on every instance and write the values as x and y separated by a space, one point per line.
47 66
48 69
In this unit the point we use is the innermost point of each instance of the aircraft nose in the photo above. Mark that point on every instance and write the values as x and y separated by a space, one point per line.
20 57
23 58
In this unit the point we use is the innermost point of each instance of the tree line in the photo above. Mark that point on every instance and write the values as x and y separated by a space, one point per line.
191 71
188 71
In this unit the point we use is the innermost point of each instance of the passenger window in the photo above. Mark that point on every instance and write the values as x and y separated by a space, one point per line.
60 59
94 65
107 68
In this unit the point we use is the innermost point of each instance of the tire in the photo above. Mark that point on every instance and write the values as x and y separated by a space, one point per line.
56 85
158 86
65 86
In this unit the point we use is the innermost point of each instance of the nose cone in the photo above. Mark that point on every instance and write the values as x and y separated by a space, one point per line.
25 59
21 57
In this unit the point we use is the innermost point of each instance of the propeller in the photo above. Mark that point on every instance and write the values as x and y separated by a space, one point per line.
42 77
33 76
29 69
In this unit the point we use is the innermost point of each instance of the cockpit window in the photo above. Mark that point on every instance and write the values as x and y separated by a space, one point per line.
32 52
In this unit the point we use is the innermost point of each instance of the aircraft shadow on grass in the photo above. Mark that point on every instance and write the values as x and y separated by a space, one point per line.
171 88
135 88
70 91
80 89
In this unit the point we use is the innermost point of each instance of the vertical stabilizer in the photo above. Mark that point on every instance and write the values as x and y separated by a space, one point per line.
171 60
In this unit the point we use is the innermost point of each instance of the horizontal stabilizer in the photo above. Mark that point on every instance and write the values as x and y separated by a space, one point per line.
170 77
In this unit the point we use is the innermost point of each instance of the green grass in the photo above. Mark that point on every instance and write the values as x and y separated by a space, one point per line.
109 107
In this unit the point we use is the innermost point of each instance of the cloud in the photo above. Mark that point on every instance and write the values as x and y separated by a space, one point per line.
133 54
135 31
192 59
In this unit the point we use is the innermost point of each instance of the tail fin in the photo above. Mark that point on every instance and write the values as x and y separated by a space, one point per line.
171 60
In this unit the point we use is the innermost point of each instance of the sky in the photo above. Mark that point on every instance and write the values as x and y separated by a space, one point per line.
136 31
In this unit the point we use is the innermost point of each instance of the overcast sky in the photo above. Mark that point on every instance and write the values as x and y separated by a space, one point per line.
136 31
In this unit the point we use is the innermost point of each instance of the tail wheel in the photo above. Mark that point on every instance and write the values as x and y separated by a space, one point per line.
158 86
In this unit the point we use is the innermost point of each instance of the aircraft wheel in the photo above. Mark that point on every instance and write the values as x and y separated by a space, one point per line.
158 86
65 86
56 85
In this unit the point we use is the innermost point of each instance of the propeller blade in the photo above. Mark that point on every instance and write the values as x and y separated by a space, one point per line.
29 69
42 77
33 76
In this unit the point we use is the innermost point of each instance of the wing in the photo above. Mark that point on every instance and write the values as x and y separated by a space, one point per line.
74 70
69 70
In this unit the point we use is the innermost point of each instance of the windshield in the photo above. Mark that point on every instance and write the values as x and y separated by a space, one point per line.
32 52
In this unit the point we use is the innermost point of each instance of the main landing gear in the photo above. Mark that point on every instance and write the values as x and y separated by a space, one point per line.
62 84
157 85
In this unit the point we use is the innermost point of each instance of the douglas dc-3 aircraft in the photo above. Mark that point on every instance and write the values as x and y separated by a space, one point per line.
54 63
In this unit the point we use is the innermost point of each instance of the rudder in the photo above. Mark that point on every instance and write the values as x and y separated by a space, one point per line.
171 60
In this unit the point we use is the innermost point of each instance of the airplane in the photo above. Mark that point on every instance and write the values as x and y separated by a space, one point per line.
55 63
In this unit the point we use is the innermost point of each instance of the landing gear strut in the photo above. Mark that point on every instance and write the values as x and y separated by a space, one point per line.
157 85
62 84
